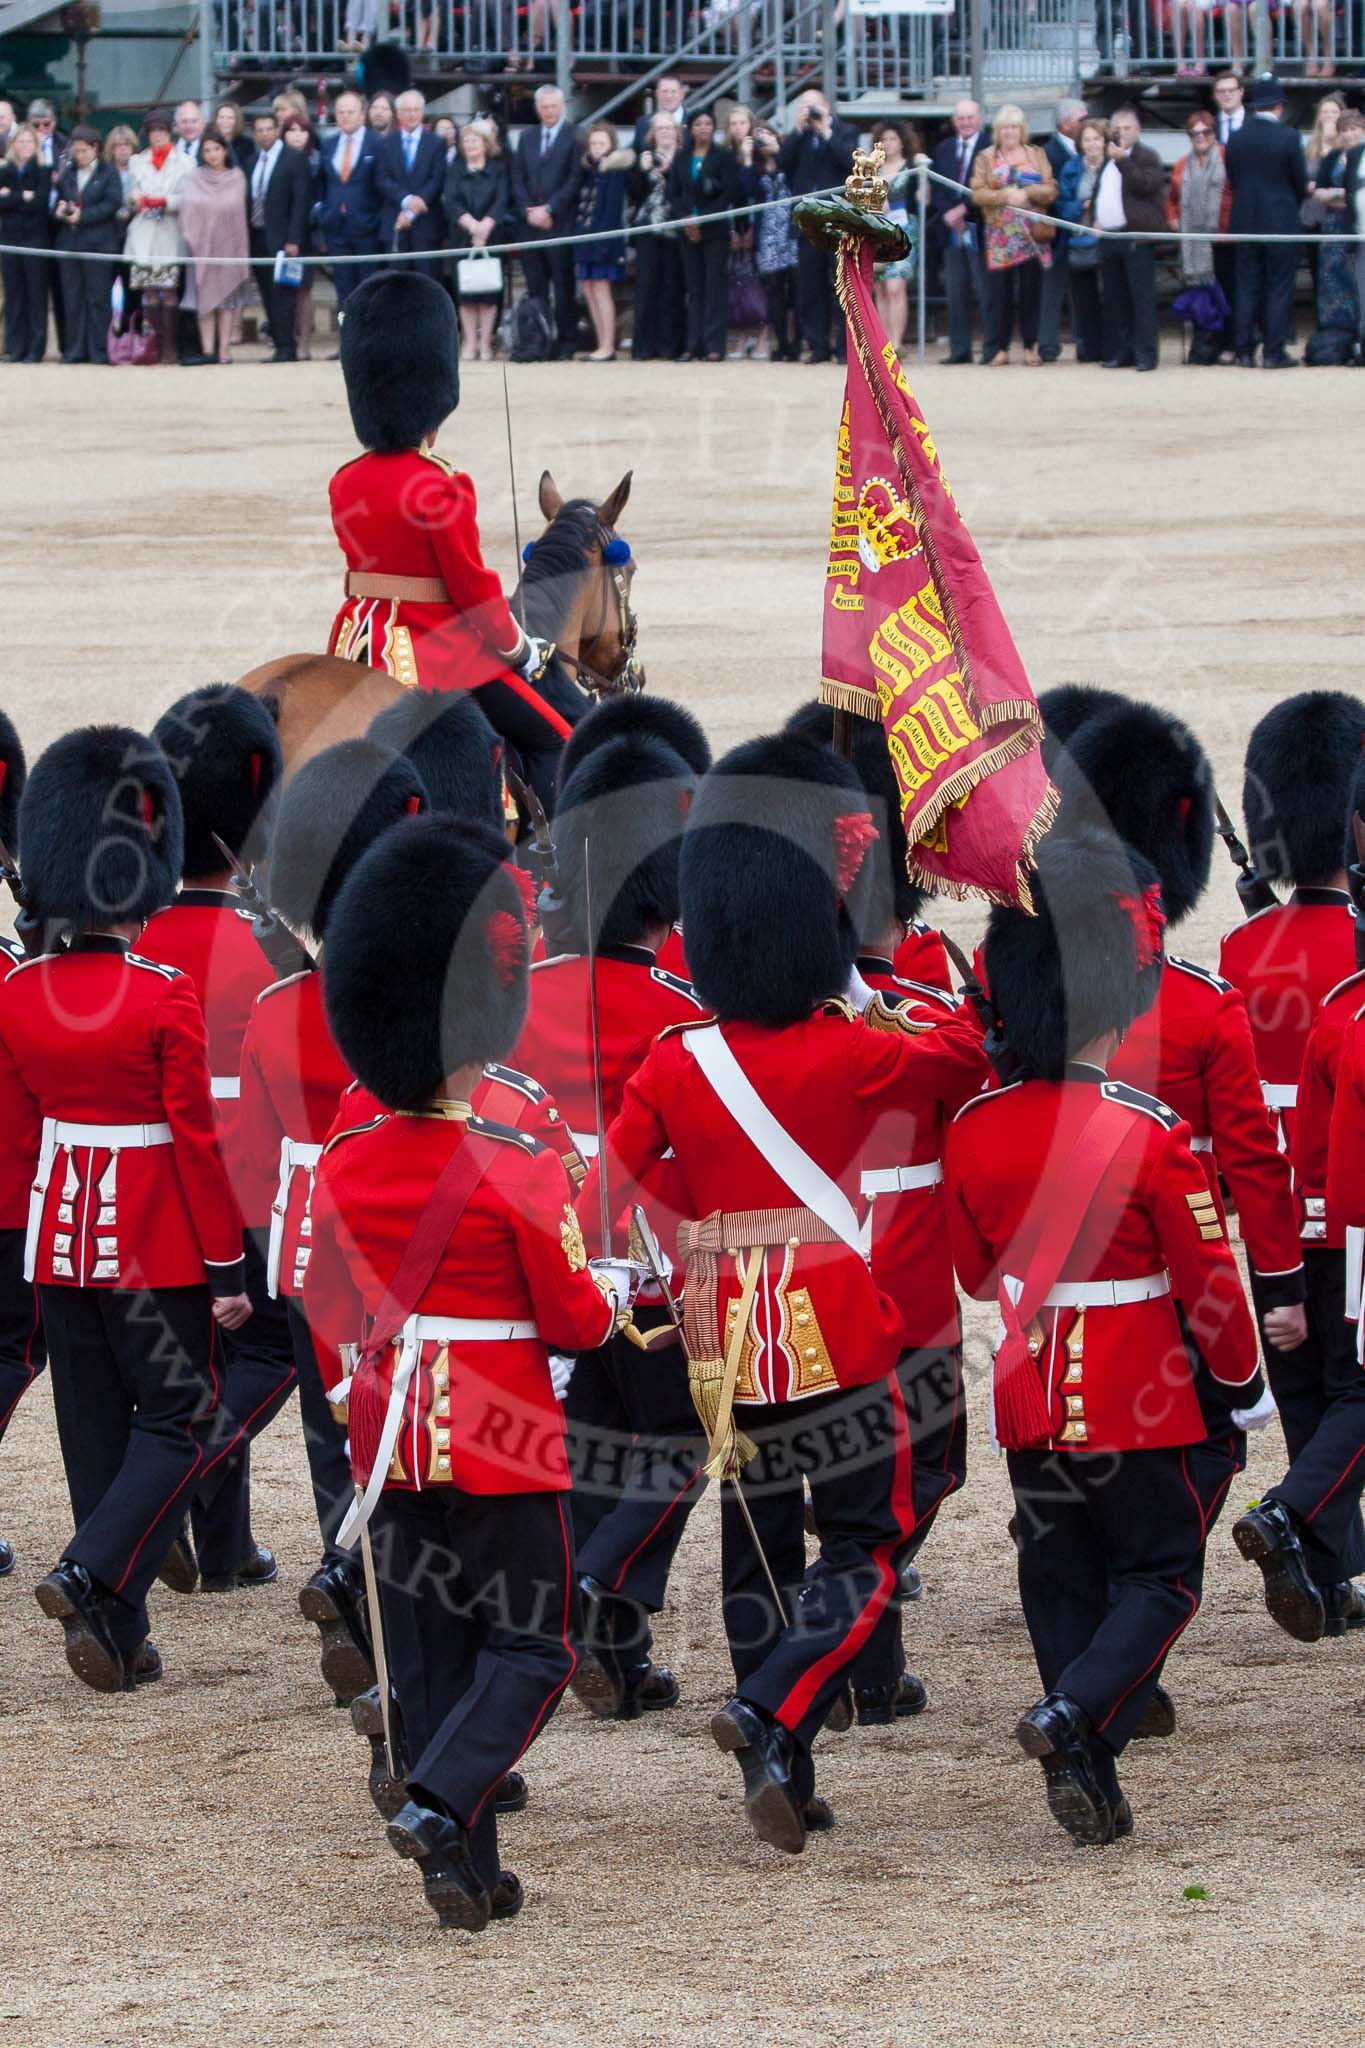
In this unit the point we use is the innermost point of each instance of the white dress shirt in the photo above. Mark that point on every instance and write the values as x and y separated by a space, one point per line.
1109 211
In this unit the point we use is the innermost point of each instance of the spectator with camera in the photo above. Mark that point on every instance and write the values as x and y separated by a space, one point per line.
817 154
88 197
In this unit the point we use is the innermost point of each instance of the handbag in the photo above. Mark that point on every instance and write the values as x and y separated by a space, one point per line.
478 275
139 344
748 302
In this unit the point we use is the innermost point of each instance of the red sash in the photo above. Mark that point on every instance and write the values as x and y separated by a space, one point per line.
1023 1417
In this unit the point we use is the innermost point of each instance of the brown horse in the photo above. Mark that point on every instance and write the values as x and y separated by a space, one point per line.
574 590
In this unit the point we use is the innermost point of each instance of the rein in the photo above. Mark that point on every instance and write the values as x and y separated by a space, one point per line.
628 673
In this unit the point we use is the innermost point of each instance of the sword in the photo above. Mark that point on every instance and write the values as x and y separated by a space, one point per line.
511 467
381 1662
1253 891
604 1206
649 1245
284 952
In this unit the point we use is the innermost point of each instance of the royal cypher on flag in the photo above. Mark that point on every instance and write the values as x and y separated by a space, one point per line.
913 634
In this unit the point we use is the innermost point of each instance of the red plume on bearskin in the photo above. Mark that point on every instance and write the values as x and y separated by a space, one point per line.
852 837
526 884
507 945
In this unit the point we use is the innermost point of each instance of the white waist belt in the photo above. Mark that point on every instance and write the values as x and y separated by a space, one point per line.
72 1137
1201 1144
294 1153
1097 1293
894 1180
225 1087
1280 1094
416 1331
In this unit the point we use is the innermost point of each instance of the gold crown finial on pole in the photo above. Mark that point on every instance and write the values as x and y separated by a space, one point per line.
864 185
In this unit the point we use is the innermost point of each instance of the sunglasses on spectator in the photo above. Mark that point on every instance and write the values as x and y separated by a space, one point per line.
1201 131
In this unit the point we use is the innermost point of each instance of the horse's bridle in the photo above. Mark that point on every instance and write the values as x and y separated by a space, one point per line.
628 674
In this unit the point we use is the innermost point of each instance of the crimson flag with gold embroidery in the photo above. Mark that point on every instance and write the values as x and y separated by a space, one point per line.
914 637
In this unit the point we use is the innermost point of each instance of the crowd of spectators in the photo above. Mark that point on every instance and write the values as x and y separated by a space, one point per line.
1015 228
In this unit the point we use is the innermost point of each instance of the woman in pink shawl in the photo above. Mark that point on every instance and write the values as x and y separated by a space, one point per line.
213 220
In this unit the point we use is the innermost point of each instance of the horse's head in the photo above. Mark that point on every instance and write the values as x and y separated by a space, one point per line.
587 612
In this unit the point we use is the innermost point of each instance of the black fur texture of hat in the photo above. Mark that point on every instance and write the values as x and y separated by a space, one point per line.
101 829
1066 708
773 878
400 357
1088 962
1301 764
453 748
224 751
632 713
891 895
427 957
626 807
13 775
1142 773
330 814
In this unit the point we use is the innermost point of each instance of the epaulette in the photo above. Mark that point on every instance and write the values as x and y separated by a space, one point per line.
13 949
676 983
687 1024
1147 1105
839 1006
1342 987
884 1015
510 1078
923 930
987 1095
274 987
504 1134
1205 974
430 455
153 966
354 1131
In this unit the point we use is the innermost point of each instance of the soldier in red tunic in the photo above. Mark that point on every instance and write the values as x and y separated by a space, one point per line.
22 1354
1075 1203
634 1440
420 601
452 1238
767 1113
134 1239
292 1081
224 751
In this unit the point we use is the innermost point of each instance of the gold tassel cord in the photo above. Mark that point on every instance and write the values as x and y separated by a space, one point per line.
712 1386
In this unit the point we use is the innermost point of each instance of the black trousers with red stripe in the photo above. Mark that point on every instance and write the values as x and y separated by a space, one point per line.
535 718
480 1610
1320 1392
23 1353
936 1406
324 1441
1111 1565
636 1451
853 1447
258 1378
135 1386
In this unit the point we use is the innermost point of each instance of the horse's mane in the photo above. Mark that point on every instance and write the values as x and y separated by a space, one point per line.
554 568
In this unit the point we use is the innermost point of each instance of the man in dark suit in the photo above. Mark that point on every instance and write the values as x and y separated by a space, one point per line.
1131 194
817 154
410 172
52 151
280 194
668 99
1060 145
957 228
1269 178
88 196
189 129
547 171
348 206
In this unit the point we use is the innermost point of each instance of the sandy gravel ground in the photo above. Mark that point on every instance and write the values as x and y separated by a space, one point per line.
200 1864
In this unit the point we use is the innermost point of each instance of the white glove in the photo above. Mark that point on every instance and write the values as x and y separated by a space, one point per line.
857 991
1259 1417
561 1372
623 1276
534 657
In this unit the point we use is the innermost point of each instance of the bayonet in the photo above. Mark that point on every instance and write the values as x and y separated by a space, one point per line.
1253 890
286 954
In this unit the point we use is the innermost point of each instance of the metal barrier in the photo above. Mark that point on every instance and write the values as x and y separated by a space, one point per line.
1186 39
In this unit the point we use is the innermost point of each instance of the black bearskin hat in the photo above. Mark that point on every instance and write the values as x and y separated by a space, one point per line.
400 356
1296 793
225 755
1139 771
101 829
453 748
13 773
1088 962
385 67
632 712
629 800
332 812
891 895
434 912
1065 710
772 878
